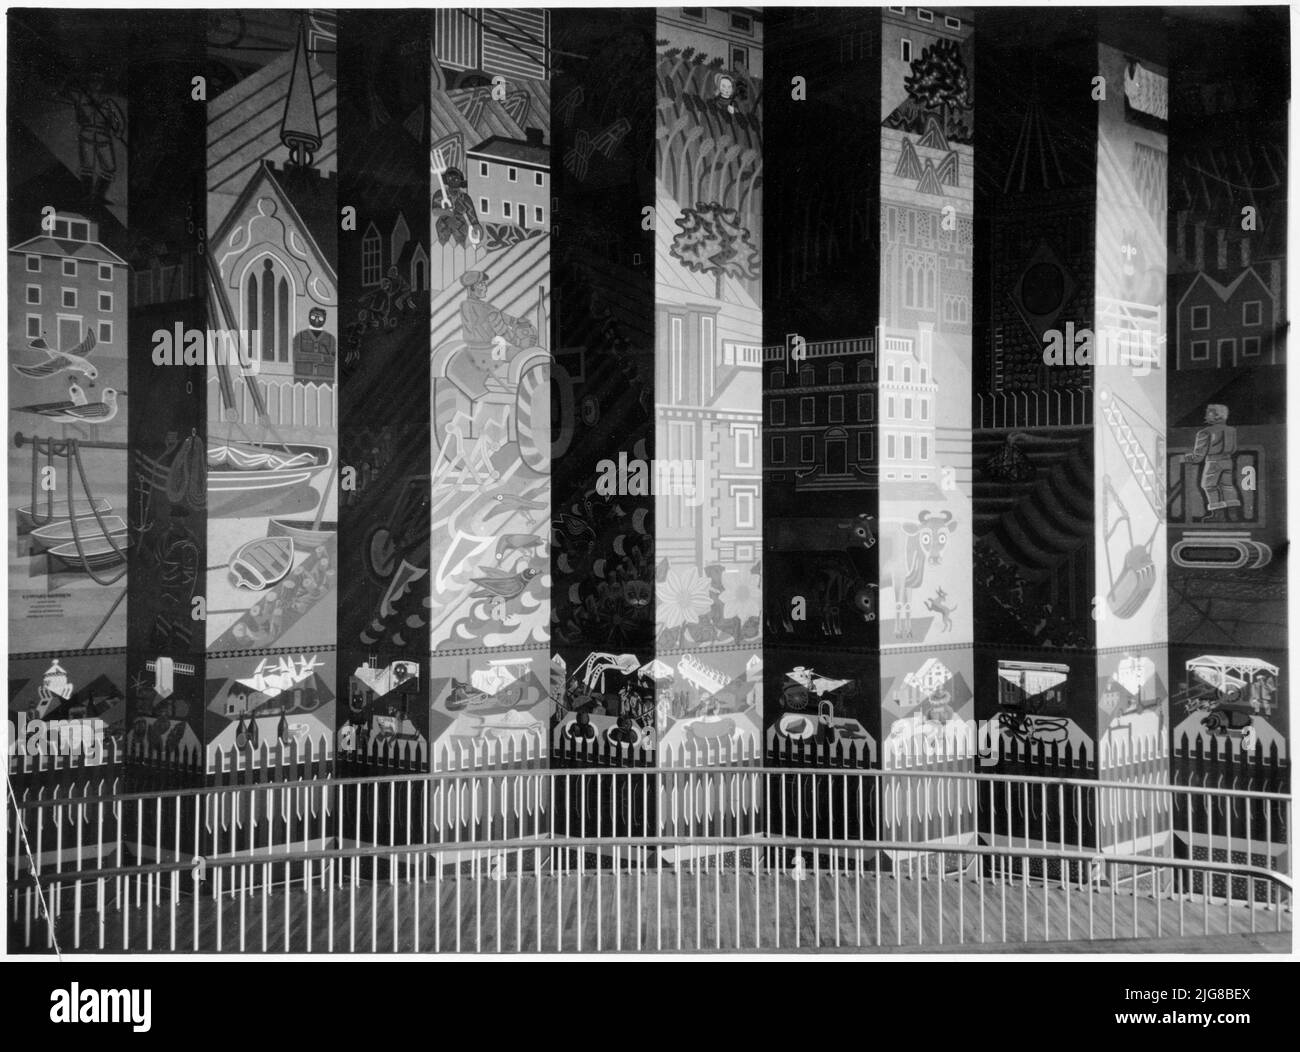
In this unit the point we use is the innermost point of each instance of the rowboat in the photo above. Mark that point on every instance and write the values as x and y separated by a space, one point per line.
248 468
262 562
304 533
32 516
96 553
60 532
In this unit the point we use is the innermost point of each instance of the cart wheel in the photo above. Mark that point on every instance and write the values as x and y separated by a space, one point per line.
381 553
533 417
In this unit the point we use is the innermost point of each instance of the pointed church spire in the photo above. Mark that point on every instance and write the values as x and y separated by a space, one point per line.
300 128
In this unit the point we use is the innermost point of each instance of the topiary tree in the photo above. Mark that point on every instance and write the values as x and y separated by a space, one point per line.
712 240
939 81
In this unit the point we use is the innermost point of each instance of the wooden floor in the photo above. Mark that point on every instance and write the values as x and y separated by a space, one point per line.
669 909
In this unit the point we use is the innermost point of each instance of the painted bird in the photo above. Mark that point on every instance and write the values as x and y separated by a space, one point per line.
57 361
72 413
516 542
498 582
75 394
509 502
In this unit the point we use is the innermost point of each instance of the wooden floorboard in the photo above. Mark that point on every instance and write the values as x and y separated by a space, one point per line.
688 908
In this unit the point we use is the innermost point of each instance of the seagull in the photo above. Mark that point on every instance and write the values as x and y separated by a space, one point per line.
57 361
499 583
75 394
73 413
516 542
509 502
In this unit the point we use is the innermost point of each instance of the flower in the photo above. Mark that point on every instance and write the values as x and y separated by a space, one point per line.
743 598
682 598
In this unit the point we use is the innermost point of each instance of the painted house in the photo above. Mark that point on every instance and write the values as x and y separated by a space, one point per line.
734 34
511 179
1228 324
65 284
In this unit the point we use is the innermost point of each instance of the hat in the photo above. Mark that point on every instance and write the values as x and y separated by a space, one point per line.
472 277
1220 411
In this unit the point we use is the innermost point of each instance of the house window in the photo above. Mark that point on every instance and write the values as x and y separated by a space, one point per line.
778 449
907 374
512 174
1250 347
505 209
890 447
807 411
69 297
1227 350
745 509
807 376
34 264
694 13
106 302
34 295
745 447
836 409
105 332
776 411
1200 350
951 23
925 408
807 448
905 49
1251 313
740 57
69 268
483 168
924 15
925 448
33 326
370 253
889 409
907 409
741 23
865 407
538 179
776 378
1200 317
106 272
923 374
537 214
677 359
267 310
889 372
907 447
864 371
865 445
835 374
484 205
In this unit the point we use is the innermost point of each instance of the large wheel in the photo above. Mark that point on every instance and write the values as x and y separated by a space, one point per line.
533 417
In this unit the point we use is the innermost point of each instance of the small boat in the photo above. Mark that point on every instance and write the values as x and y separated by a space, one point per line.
796 727
261 563
33 516
60 532
305 535
96 553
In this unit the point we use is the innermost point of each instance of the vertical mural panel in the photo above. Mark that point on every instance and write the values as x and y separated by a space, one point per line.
384 267
604 682
927 184
820 295
707 480
168 295
69 286
271 272
1226 384
1032 408
1128 358
489 280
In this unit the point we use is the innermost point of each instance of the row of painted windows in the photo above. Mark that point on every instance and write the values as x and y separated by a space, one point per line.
808 375
69 299
512 174
923 374
891 447
1200 349
1252 313
103 330
519 213
808 448
834 409
70 268
923 409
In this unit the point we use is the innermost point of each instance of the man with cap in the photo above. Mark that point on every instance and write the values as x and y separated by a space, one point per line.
455 215
1215 445
491 337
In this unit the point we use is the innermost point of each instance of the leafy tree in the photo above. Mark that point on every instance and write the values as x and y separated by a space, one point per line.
939 81
712 240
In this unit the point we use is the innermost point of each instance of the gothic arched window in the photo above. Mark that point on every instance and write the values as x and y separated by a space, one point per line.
268 311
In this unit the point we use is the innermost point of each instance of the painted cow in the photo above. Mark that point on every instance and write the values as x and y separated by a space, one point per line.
904 555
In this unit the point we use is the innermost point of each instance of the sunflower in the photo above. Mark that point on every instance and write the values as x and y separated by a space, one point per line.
682 598
743 597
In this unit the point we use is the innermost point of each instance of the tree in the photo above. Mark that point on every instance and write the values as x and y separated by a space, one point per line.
938 80
713 241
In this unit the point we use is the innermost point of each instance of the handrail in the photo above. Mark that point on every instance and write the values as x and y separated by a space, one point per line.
571 772
50 880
